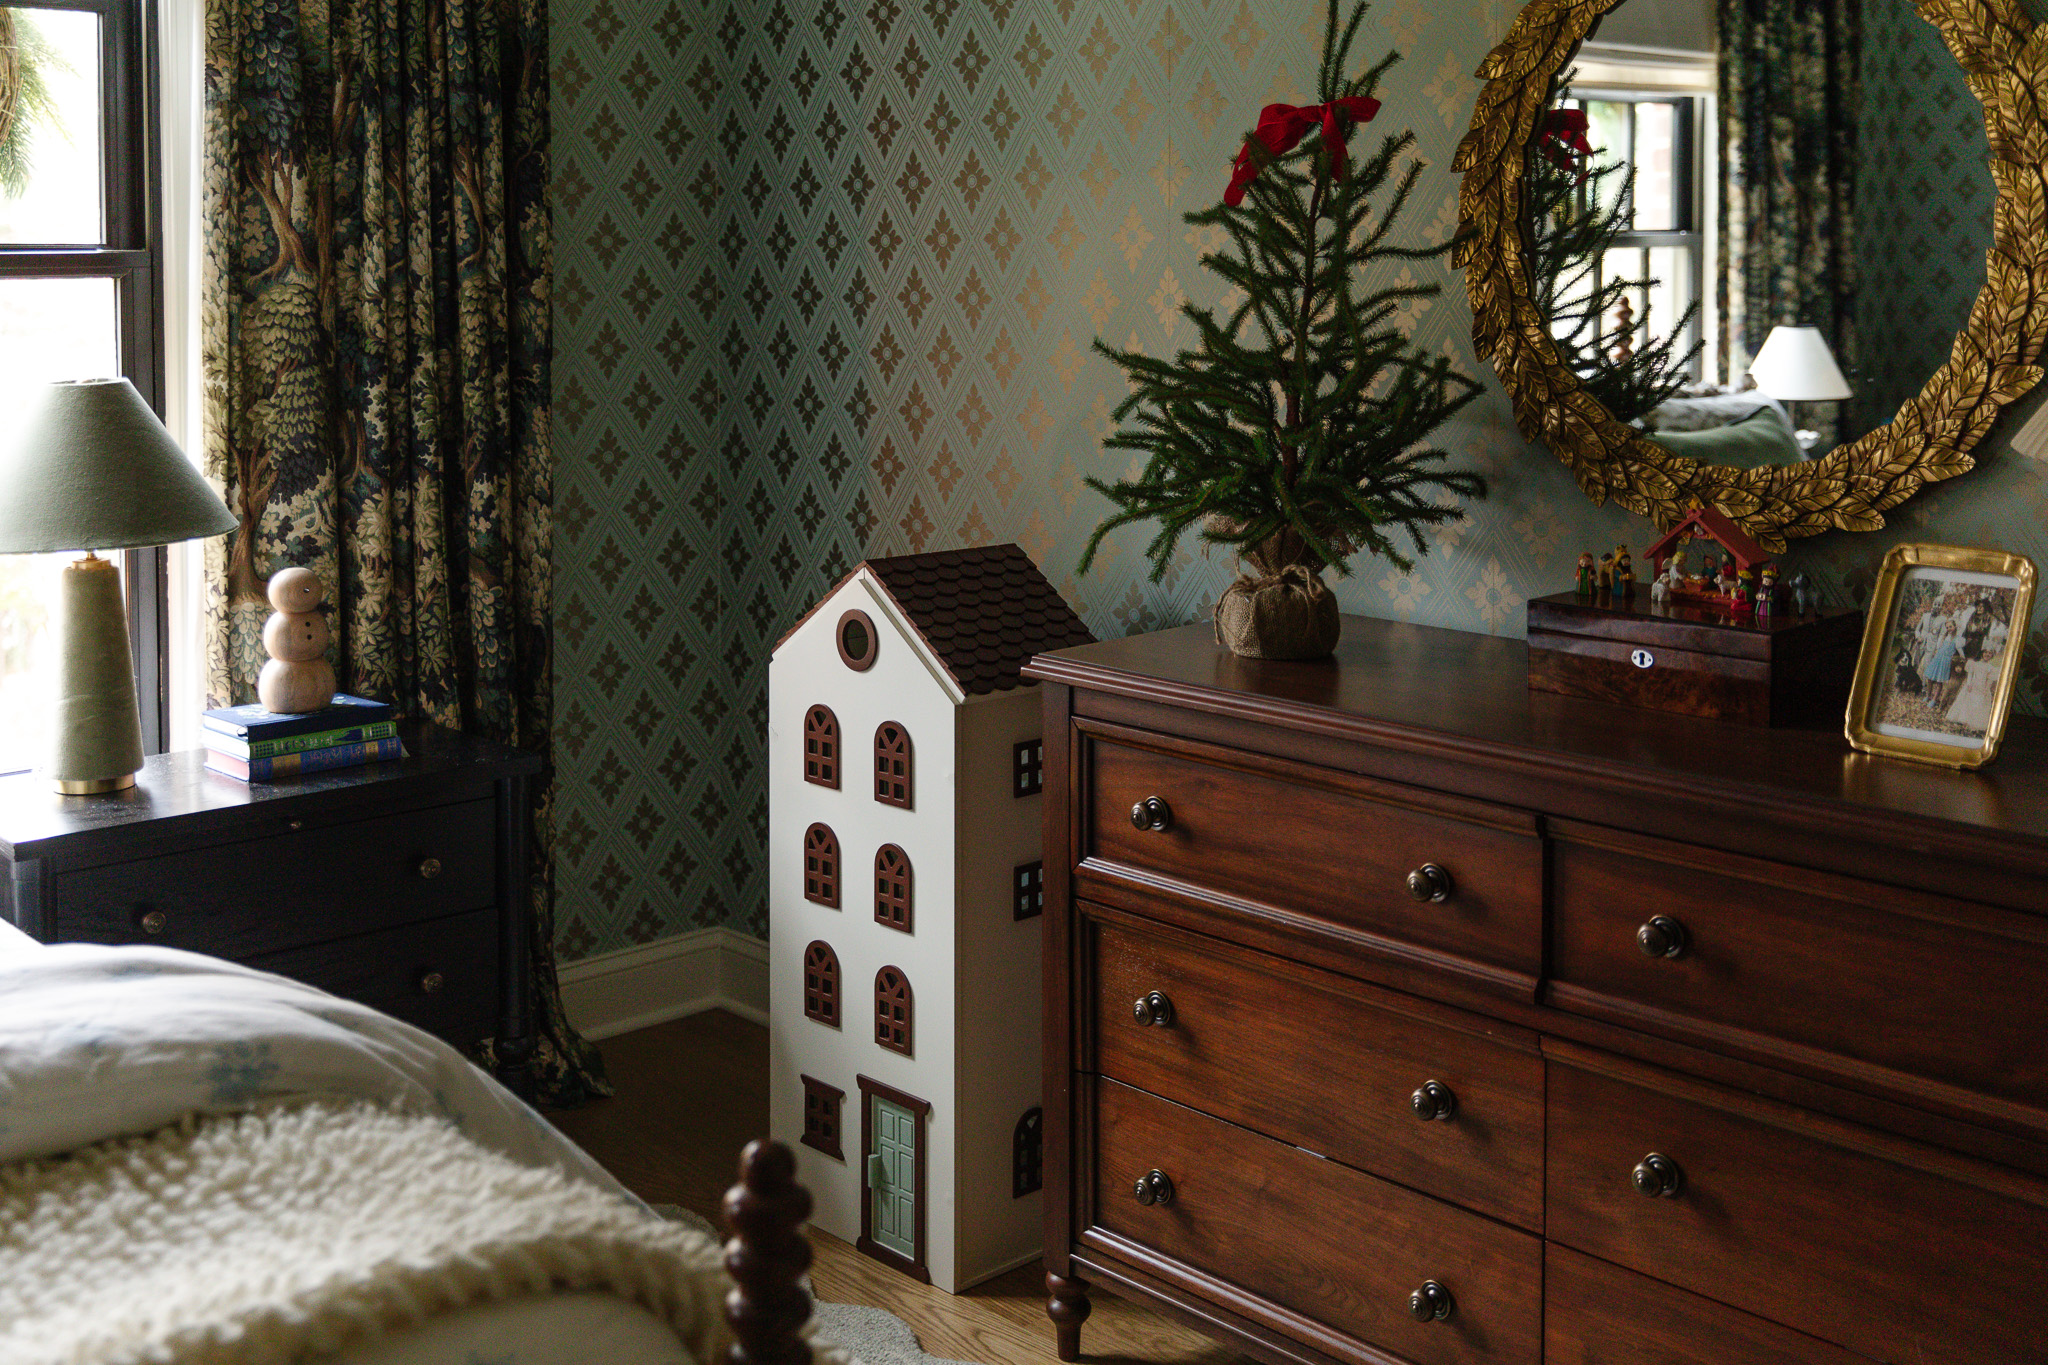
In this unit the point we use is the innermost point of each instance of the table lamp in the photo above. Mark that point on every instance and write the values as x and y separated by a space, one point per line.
87 466
1796 366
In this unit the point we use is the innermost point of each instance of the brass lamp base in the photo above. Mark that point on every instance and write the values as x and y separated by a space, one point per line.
93 786
97 747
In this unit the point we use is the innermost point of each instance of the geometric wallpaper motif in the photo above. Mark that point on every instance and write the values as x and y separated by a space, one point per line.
827 272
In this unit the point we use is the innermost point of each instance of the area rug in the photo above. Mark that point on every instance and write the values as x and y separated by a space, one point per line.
872 1336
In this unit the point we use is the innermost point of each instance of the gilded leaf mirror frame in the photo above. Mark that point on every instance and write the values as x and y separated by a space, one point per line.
1993 362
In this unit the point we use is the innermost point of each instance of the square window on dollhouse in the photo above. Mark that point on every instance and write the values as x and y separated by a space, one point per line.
1027 890
821 1117
1027 768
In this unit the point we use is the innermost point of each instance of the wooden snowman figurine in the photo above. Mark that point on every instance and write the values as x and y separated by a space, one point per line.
298 676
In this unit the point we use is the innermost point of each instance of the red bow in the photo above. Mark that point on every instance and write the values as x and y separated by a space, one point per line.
1281 126
1563 138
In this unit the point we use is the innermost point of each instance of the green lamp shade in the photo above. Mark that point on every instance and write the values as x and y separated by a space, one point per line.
89 467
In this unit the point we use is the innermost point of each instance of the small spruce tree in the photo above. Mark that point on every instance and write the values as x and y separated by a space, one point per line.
1295 431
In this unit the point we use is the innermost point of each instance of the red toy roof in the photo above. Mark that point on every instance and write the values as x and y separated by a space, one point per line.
1716 526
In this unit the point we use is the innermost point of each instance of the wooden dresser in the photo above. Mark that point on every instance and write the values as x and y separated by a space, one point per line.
1397 1013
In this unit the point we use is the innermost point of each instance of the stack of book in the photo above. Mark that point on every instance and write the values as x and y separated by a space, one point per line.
256 745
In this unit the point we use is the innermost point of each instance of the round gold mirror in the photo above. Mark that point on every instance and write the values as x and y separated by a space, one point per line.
1617 208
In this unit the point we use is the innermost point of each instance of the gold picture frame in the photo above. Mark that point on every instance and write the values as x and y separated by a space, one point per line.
1937 609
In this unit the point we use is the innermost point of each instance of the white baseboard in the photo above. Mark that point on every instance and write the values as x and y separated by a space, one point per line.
705 969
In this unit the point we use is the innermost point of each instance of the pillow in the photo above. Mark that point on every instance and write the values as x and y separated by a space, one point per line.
1762 438
1712 408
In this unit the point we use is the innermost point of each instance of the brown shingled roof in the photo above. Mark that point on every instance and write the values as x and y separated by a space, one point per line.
982 612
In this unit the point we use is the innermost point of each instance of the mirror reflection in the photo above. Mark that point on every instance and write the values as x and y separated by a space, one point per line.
1755 226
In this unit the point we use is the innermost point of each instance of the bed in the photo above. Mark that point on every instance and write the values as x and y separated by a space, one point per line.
200 1162
1744 428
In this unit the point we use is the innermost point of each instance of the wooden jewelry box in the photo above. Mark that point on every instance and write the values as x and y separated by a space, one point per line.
1695 658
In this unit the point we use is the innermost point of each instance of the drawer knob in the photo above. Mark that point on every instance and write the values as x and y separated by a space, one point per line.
1152 813
155 922
1663 936
431 983
1430 883
1434 1101
1657 1177
1154 1009
1431 1303
430 868
1154 1188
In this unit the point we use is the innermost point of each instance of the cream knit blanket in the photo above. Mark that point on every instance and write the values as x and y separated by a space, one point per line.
292 1231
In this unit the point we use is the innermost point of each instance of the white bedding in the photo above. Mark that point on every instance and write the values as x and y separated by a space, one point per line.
103 1042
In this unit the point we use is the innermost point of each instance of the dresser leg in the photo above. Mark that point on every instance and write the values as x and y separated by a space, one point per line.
1068 1308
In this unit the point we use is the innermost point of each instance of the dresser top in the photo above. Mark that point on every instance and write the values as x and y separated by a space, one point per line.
1455 693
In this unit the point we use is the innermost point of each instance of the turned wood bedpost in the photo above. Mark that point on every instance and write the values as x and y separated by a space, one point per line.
767 1257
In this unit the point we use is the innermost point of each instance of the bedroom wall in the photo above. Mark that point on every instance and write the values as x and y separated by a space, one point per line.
827 274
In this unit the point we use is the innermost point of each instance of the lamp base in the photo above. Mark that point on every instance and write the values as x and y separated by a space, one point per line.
97 747
93 786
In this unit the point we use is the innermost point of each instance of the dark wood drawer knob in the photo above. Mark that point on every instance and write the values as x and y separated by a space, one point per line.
1657 1176
1663 936
1153 1187
431 983
1431 1303
1154 1009
1434 1101
155 922
1430 883
1152 813
430 868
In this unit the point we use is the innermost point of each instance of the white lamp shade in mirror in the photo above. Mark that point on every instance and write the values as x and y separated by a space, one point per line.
1796 366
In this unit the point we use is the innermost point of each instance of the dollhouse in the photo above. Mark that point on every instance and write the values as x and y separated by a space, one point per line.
906 764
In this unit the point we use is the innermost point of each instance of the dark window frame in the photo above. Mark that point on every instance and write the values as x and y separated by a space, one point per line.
895 888
821 879
1027 890
892 787
1027 1154
822 1000
824 1115
1027 768
823 747
895 1029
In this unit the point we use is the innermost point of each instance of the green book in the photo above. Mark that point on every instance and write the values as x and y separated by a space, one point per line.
296 744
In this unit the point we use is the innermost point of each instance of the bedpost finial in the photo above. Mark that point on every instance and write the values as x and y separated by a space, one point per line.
767 1257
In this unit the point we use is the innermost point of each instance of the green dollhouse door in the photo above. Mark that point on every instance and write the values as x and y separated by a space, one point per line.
892 1179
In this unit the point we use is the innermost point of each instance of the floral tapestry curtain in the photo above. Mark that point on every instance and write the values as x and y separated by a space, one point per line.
1790 99
375 333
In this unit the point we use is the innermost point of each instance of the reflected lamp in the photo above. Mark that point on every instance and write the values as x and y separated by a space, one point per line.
87 466
1796 366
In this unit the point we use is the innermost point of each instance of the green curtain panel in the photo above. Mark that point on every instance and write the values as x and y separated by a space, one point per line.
1790 102
376 337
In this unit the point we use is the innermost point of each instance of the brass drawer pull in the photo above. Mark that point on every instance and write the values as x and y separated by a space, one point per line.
1657 1176
1431 1303
1433 1101
155 922
430 868
1154 1009
1430 883
431 983
1154 1188
1152 814
1663 936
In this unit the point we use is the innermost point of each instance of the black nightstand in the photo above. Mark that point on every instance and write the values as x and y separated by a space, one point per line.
402 885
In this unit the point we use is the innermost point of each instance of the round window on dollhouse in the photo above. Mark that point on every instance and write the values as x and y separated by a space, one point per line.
857 640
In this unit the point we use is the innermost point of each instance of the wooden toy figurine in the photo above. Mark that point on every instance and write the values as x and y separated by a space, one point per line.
1743 600
1588 575
1605 574
298 676
1766 592
1624 573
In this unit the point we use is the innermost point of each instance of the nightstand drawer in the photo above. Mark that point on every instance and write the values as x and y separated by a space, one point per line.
1305 1057
441 976
293 889
1323 1248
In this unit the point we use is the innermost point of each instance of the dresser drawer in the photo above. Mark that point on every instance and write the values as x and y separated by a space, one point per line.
1325 849
1899 1253
1305 1057
1598 1314
441 976
292 889
1315 1242
1834 967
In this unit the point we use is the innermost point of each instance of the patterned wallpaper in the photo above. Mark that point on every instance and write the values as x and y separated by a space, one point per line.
827 275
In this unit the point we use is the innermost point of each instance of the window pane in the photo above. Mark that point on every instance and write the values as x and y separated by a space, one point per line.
50 183
1671 271
1607 133
56 329
1656 164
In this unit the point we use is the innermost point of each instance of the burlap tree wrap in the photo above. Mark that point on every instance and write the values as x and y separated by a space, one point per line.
1288 615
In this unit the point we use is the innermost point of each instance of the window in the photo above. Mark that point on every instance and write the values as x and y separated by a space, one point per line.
821 983
892 1010
821 1116
821 866
1027 1154
1027 890
1027 768
892 765
80 298
892 887
857 641
821 747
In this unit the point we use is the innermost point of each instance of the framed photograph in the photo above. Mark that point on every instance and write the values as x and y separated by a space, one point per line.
1941 652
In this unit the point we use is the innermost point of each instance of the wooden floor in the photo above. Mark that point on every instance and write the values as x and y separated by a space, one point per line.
692 1092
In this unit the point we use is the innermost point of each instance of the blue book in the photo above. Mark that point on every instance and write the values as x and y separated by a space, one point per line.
310 761
251 722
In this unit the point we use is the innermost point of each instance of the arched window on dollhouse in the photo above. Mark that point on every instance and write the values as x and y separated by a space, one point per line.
892 765
892 887
821 747
821 866
1027 1154
821 983
892 1010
